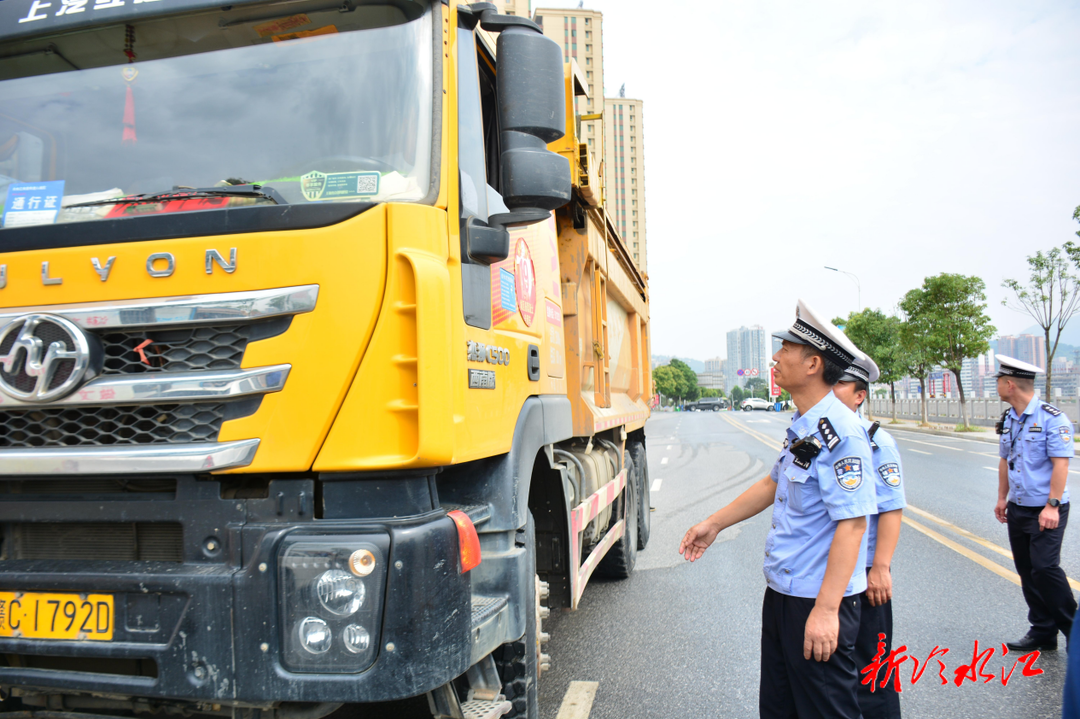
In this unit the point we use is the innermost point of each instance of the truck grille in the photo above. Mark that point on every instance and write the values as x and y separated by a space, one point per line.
183 350
134 424
128 541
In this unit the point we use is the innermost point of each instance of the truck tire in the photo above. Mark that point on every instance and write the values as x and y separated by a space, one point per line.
619 562
641 465
519 662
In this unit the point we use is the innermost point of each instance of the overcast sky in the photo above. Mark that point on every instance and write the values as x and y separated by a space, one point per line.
892 140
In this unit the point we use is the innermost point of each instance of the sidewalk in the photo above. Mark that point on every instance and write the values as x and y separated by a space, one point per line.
981 434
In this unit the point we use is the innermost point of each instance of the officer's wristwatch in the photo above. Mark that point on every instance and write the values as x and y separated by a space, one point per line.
1053 502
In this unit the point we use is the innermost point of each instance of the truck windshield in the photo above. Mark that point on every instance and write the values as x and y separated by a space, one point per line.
320 102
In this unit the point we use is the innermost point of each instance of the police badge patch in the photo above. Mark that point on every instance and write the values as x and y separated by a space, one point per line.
848 473
890 474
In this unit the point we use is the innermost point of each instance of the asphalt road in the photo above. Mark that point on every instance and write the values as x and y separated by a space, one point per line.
682 640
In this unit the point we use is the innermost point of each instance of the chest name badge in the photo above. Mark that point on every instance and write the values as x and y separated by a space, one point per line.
890 474
1035 429
848 473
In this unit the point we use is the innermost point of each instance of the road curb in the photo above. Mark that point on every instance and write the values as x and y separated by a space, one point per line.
941 433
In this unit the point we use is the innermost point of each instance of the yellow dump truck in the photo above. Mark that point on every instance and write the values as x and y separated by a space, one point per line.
323 373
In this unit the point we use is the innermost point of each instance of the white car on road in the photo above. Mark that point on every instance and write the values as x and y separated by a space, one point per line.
752 403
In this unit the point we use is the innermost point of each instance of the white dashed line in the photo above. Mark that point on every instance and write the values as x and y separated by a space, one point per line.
918 450
578 700
663 461
931 444
656 485
992 469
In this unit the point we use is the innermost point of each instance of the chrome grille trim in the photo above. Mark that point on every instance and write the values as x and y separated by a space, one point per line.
188 310
170 387
185 458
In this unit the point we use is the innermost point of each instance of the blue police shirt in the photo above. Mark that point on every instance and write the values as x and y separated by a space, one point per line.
888 483
810 501
1028 442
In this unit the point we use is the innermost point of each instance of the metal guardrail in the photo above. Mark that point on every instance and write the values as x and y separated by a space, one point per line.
982 412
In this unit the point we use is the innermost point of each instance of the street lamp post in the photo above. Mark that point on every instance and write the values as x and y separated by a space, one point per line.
858 287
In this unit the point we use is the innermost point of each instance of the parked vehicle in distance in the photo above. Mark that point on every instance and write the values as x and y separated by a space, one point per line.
752 403
706 404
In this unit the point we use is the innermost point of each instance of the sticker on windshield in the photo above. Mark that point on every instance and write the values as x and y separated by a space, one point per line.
327 30
34 203
339 185
284 25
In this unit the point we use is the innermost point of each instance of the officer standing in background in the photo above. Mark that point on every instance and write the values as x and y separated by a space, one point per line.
820 491
1035 446
882 534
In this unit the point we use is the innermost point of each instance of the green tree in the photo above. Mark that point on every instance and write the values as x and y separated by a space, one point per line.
757 384
737 396
948 318
1051 296
667 384
688 386
878 335
915 361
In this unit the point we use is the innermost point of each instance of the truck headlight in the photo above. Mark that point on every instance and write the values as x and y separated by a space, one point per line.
330 612
340 592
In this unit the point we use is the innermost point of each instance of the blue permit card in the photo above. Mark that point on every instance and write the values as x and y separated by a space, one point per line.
32 203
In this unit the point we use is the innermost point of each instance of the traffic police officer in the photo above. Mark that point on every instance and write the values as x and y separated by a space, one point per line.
1035 446
821 492
882 533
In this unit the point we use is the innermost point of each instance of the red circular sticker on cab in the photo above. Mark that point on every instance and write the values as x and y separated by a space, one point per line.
525 281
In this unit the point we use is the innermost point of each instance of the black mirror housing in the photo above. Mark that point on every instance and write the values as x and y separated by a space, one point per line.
532 113
484 244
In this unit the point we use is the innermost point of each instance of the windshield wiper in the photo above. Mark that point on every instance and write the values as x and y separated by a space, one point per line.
268 193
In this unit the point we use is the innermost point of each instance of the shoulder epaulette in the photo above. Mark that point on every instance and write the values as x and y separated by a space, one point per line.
870 432
1051 409
828 433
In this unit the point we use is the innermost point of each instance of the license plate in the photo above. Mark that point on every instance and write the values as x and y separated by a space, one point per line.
40 615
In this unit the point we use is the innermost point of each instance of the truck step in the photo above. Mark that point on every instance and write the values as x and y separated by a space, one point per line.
482 709
478 513
484 608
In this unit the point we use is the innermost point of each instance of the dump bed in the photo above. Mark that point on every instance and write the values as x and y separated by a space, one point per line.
605 298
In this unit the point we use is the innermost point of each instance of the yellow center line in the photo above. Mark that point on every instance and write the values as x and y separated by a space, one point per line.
960 549
973 556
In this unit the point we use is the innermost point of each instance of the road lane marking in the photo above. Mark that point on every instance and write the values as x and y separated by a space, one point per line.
987 454
656 485
992 469
669 447
663 461
578 700
975 538
764 439
964 551
918 450
931 444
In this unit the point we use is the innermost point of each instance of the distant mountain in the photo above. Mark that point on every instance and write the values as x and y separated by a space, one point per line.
1071 335
660 360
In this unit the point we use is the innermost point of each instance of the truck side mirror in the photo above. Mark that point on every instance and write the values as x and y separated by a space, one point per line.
532 113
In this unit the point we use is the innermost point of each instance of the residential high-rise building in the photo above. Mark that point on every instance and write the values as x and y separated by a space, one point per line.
514 7
579 33
1027 348
714 365
624 172
745 351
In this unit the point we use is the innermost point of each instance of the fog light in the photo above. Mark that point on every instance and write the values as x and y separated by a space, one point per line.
356 639
361 562
340 592
314 635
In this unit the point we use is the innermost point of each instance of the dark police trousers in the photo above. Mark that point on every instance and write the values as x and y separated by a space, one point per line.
796 688
882 702
1046 589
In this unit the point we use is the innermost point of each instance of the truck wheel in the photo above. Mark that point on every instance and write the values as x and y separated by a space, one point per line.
641 464
519 662
619 562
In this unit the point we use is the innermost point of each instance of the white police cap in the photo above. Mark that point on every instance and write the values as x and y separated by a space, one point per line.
863 369
809 329
1012 367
